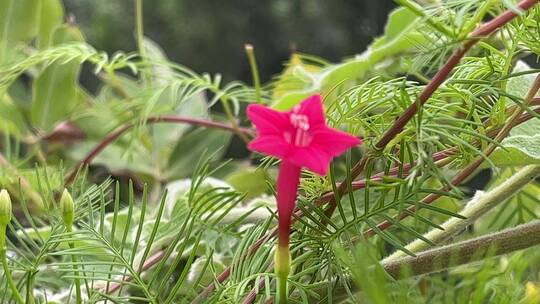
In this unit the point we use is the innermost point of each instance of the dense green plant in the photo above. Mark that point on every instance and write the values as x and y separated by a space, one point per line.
155 213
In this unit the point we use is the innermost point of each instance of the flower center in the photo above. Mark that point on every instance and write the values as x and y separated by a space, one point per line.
301 136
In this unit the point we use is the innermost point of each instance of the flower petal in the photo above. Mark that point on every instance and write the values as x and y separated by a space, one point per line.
312 107
333 142
266 120
314 159
272 145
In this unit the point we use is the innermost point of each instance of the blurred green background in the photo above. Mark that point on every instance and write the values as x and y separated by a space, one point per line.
209 35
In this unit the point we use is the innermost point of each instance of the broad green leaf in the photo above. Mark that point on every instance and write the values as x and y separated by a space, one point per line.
115 157
160 71
164 135
249 181
56 92
121 222
399 36
191 146
519 86
178 192
45 232
288 101
297 82
11 119
522 146
52 14
518 150
19 22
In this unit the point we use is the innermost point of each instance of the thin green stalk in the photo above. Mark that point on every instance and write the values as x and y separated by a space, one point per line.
281 293
282 268
67 208
5 266
139 27
254 72
77 281
140 34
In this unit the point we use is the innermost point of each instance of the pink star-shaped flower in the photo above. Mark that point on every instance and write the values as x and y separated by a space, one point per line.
299 136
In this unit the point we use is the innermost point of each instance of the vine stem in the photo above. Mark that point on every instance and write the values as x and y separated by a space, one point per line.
232 120
503 242
113 136
475 208
151 261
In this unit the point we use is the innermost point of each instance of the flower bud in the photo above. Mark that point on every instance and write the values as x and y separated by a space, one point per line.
5 208
67 207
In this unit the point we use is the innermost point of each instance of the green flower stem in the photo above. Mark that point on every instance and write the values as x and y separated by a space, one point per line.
77 281
5 266
477 207
254 72
282 268
139 27
140 36
67 209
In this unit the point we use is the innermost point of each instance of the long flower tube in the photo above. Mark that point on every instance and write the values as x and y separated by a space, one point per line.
301 139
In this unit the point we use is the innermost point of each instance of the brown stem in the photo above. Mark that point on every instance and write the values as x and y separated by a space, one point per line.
151 261
113 136
252 295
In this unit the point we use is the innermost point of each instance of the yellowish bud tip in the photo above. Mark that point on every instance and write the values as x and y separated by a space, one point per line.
248 47
5 208
282 259
67 207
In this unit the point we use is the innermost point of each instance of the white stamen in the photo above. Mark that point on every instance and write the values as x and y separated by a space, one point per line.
300 122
